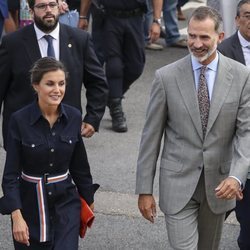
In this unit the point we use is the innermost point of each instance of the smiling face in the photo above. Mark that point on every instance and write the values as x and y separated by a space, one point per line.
243 21
46 14
51 89
203 39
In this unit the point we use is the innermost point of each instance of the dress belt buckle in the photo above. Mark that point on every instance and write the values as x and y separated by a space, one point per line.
45 178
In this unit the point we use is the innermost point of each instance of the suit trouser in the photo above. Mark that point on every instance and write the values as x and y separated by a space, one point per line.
242 211
195 226
98 33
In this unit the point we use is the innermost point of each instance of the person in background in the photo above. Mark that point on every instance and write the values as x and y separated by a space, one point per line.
119 35
148 19
47 37
3 14
11 23
14 6
237 48
25 16
45 153
227 9
180 14
200 107
173 37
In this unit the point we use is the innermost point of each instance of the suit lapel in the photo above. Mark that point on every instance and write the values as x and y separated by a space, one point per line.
66 45
221 89
237 49
186 85
30 43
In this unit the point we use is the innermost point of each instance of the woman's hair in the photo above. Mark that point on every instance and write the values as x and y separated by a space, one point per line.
43 66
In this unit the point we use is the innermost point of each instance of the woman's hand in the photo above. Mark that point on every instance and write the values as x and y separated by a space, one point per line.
20 228
92 206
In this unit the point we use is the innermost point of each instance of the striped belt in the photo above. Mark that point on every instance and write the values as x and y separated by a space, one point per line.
47 178
41 198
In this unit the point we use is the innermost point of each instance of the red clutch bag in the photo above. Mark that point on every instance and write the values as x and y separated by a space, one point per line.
86 217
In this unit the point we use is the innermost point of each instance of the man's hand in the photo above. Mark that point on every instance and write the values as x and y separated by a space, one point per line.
87 130
154 32
83 24
147 206
229 189
20 228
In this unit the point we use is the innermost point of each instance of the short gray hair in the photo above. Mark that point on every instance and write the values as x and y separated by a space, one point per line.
205 12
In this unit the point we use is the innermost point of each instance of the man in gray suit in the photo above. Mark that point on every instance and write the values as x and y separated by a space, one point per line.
237 48
201 104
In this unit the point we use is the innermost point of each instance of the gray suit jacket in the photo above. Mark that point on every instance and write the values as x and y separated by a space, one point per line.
173 112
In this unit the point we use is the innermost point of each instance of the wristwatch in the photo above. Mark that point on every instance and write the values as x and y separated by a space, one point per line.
157 20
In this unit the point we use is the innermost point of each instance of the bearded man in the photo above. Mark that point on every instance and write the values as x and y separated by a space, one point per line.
46 37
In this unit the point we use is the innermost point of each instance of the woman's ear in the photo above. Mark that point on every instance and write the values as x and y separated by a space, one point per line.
34 87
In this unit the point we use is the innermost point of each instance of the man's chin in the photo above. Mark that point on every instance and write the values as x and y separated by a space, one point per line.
201 58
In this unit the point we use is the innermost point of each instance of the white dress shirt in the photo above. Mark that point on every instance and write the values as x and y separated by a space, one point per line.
43 44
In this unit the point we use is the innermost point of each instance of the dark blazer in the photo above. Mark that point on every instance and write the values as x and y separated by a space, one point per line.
19 50
231 48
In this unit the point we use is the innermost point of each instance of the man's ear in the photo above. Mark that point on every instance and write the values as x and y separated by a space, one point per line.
221 36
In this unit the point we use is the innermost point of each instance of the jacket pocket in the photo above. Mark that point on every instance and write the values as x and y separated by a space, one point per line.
32 144
70 140
172 166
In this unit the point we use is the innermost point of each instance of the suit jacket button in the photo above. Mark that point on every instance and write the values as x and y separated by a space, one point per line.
200 168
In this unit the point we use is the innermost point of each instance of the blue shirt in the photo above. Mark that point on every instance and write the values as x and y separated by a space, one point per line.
210 73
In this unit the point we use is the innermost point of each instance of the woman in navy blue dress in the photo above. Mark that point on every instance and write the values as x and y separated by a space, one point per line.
45 152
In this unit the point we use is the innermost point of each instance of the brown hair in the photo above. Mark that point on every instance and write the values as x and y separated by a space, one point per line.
43 66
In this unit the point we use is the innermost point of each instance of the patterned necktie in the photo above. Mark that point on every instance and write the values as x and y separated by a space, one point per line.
203 99
50 50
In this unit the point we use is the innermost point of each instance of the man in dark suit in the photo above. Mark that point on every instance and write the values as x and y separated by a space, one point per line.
237 48
3 14
72 46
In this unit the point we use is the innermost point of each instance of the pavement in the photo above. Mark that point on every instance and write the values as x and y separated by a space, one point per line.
112 156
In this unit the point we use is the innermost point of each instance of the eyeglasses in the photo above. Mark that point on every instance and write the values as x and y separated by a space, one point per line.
247 17
43 6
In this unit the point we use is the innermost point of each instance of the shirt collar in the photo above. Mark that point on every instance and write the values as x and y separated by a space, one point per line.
212 65
36 113
54 33
244 43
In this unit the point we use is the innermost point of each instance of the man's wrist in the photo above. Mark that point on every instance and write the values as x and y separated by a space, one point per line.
157 20
239 181
83 17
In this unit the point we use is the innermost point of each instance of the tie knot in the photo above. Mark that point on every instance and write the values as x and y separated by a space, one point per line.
203 70
48 38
